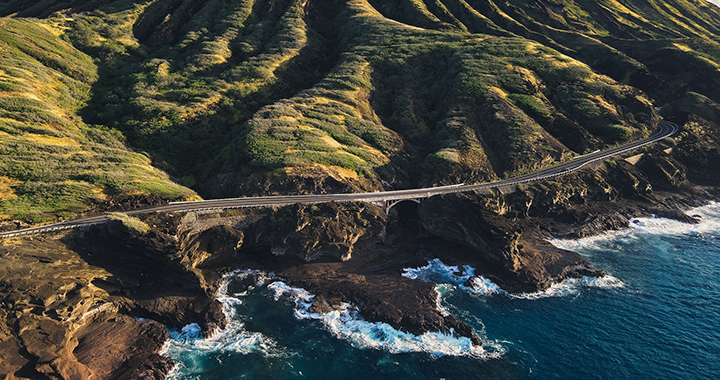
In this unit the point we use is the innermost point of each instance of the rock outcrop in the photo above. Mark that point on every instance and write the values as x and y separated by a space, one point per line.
69 304
521 262
88 287
238 98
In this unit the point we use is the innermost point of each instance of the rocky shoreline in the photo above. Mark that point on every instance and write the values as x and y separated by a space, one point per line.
118 286
114 106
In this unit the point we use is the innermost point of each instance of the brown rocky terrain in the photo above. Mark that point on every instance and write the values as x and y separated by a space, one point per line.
71 301
270 97
69 304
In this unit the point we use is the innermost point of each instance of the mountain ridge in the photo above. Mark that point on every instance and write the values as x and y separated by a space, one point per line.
111 105
276 120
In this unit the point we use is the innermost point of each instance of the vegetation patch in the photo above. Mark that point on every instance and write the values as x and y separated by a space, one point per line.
131 223
120 98
52 164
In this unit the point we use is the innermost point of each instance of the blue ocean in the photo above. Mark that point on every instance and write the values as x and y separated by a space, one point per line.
655 316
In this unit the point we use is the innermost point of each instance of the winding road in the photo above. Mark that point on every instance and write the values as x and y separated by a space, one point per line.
666 129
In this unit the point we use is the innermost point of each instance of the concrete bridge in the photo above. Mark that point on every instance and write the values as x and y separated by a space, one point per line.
385 199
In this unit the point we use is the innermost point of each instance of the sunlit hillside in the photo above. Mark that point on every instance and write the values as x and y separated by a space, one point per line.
52 164
232 98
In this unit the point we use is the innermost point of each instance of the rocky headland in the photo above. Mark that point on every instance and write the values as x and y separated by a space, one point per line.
114 105
94 303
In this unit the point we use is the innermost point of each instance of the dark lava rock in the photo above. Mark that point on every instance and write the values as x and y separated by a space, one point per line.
521 262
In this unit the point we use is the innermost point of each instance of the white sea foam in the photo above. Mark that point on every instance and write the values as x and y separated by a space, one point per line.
572 286
444 275
233 338
483 286
709 217
439 301
436 271
345 322
458 277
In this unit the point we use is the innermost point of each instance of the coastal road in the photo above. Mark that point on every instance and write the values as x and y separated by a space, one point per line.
666 129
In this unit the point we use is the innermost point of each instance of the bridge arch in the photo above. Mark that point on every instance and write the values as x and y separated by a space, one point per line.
391 203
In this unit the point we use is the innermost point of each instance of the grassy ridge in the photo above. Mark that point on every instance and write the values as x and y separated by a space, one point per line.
182 103
629 19
207 109
52 164
257 96
410 106
624 39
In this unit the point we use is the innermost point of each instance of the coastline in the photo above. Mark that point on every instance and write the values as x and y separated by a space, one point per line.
343 323
371 280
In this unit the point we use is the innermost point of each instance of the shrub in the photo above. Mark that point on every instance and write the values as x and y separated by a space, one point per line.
530 105
617 133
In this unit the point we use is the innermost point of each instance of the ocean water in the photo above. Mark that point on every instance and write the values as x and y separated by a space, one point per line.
655 316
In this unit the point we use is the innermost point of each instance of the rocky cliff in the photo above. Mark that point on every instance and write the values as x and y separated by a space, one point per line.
112 105
72 306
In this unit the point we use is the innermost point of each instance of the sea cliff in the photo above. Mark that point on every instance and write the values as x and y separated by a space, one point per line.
108 106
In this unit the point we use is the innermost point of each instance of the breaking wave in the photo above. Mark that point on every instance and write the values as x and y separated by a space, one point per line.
459 277
483 286
572 286
436 271
709 217
345 322
189 341
464 278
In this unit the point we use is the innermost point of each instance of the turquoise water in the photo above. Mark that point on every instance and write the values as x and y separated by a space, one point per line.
656 316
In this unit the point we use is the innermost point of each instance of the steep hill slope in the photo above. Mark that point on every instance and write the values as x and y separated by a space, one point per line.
251 97
51 163
111 103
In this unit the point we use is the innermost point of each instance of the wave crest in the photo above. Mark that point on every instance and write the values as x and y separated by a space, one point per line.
345 322
189 342
442 275
572 286
708 215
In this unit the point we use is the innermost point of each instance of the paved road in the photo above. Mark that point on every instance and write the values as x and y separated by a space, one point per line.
666 129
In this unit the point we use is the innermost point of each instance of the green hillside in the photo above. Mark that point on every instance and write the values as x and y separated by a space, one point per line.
52 164
236 98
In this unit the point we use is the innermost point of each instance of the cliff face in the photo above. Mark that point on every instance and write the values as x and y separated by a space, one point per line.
109 105
70 304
